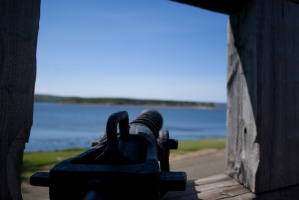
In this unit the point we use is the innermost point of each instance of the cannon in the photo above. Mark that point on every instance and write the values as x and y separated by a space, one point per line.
129 161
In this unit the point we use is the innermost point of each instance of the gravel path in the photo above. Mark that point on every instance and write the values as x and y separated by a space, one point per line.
196 165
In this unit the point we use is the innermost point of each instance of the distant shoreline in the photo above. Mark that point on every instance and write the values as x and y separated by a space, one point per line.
122 102
145 106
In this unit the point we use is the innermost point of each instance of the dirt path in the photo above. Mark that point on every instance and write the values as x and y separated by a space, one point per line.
196 165
200 164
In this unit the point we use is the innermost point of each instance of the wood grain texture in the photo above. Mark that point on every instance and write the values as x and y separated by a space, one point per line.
242 150
222 186
19 22
263 100
215 187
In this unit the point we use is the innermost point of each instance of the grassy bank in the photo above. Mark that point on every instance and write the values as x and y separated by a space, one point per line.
198 145
43 161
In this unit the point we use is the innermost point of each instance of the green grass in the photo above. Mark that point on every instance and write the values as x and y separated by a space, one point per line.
43 161
198 145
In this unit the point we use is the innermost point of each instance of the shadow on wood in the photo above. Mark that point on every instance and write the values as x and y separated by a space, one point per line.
215 187
263 102
224 187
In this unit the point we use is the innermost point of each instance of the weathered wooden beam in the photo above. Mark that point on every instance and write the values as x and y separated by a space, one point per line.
221 6
263 99
19 22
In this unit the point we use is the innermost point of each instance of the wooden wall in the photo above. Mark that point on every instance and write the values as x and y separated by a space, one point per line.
263 98
19 22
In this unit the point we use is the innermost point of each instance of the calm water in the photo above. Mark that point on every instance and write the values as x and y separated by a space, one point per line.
58 126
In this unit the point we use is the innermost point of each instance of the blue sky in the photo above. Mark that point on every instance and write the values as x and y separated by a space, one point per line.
155 49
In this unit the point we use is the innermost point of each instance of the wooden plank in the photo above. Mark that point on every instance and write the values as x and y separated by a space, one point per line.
242 150
18 42
212 179
224 187
214 187
263 100
224 192
226 7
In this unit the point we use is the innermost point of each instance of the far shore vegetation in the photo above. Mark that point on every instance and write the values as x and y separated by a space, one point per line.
120 101
44 161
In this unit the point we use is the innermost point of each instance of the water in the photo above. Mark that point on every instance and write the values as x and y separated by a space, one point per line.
58 126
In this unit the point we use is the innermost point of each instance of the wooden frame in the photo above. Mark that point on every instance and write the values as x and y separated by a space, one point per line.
19 22
262 84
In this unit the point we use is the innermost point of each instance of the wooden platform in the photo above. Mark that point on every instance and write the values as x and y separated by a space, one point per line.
224 187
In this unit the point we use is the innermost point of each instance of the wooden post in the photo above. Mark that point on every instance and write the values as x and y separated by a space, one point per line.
19 21
263 98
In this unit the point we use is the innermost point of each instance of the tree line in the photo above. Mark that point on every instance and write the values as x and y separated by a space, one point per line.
119 101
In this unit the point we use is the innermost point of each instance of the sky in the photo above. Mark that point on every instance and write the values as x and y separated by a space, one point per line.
155 49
